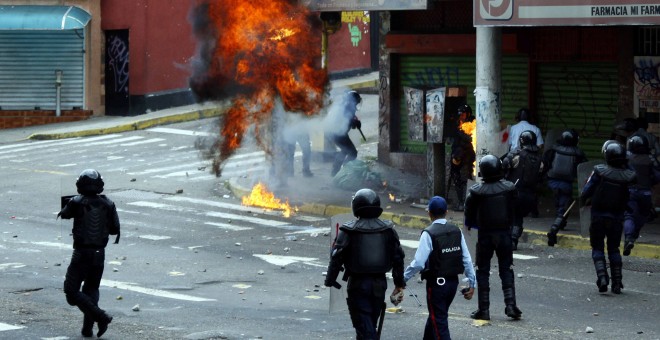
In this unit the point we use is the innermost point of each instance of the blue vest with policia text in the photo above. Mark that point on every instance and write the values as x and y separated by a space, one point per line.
446 258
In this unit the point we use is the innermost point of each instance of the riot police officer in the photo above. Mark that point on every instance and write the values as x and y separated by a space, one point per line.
489 207
94 219
338 126
641 195
367 249
561 163
462 157
523 166
607 190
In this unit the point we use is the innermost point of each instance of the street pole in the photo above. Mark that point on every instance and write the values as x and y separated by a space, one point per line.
488 92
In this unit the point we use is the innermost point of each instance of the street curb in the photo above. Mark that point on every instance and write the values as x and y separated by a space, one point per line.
641 250
136 125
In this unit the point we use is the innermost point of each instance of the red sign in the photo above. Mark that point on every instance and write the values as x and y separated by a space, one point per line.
566 12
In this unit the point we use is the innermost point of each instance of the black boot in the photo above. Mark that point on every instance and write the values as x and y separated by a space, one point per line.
484 304
516 232
511 310
628 245
89 308
552 235
601 272
617 285
88 326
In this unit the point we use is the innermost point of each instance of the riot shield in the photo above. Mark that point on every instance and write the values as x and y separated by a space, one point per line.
583 172
470 236
338 296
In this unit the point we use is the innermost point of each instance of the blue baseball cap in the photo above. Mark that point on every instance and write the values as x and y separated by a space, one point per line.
437 205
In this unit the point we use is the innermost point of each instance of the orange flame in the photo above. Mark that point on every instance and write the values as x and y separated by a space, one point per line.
469 128
392 197
261 197
255 52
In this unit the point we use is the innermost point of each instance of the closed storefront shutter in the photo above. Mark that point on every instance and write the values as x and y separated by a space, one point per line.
580 96
28 61
426 71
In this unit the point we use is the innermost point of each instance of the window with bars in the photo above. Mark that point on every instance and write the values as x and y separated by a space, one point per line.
647 41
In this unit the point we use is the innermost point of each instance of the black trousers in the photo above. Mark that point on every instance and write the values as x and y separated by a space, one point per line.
496 242
440 293
365 299
86 266
347 151
602 228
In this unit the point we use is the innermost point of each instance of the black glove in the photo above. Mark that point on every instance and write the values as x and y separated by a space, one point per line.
356 123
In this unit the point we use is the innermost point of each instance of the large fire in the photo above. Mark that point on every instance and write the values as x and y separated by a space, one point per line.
254 53
261 197
469 129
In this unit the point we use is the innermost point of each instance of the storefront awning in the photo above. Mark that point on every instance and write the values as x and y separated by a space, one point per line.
42 18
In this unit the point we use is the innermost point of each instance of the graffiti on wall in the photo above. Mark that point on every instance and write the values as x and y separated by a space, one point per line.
647 85
358 25
447 76
570 101
117 54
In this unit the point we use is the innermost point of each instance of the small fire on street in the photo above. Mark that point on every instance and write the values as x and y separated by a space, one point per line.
261 197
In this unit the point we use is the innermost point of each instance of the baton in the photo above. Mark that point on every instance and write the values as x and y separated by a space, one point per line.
380 323
363 137
569 209
415 296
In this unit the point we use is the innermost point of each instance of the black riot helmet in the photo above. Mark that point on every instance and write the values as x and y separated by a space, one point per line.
89 182
638 145
615 154
523 114
366 204
569 138
352 98
465 108
491 168
527 138
607 142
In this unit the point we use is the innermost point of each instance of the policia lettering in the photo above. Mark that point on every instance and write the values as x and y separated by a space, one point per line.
94 219
366 249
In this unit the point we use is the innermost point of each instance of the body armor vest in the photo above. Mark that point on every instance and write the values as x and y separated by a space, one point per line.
494 205
612 192
564 164
643 167
526 174
446 258
369 247
91 227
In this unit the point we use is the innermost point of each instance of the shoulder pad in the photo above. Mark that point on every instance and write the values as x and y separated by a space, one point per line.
77 199
370 225
348 225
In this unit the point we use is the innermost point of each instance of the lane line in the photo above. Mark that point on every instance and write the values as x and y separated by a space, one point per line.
180 132
62 142
151 291
227 226
8 327
585 283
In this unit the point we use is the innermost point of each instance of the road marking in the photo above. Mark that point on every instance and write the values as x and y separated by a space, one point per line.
180 132
255 220
115 141
239 207
585 283
524 257
12 265
410 243
227 226
279 260
167 168
154 237
8 327
151 291
148 141
63 142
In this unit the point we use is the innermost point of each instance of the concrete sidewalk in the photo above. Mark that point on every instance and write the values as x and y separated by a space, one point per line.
317 195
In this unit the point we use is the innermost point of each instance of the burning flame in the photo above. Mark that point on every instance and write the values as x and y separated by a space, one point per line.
255 53
261 197
469 129
392 197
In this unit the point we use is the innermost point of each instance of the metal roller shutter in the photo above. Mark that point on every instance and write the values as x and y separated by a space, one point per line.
28 60
424 71
580 96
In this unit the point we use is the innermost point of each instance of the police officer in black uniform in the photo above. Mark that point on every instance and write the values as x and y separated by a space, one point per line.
561 163
489 207
462 157
342 123
94 218
523 166
367 249
640 203
607 189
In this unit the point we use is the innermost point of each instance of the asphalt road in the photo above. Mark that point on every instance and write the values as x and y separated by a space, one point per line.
193 263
